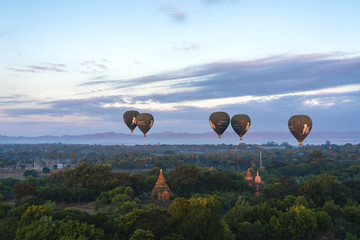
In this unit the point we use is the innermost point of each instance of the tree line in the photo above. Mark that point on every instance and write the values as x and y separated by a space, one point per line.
309 193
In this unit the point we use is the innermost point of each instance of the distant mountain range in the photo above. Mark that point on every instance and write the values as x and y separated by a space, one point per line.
186 138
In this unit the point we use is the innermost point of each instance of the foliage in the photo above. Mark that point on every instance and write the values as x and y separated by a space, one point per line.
140 234
150 218
197 218
323 189
183 179
301 222
309 192
23 189
31 172
77 230
33 213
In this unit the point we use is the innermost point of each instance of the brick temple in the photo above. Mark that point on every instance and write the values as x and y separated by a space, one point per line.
161 190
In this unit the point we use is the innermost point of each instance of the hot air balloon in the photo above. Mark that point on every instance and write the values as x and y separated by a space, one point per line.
130 119
300 126
219 121
144 122
240 123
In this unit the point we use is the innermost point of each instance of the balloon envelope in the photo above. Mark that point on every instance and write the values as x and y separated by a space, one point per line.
300 126
240 123
145 121
130 119
219 121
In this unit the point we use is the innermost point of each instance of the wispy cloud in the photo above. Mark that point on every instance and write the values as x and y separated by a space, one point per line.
186 46
219 102
22 70
272 75
46 67
176 14
93 66
179 16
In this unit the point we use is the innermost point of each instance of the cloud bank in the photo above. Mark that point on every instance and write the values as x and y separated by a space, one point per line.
325 86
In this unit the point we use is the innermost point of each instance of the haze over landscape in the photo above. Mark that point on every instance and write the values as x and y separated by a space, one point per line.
74 67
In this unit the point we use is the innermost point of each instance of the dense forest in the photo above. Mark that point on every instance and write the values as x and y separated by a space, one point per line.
310 192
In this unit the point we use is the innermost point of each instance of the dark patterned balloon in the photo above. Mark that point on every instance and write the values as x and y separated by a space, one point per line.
130 119
144 121
219 121
300 126
241 124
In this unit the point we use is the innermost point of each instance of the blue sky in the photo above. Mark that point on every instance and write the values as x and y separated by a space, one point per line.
74 67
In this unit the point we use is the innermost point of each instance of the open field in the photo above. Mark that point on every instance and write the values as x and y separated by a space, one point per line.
15 174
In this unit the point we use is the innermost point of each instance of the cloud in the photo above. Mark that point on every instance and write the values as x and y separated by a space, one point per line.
179 16
93 66
274 75
174 13
52 68
246 99
186 47
98 78
46 67
138 62
314 102
320 85
22 70
13 100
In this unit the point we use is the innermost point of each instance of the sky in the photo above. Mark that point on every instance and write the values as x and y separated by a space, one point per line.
74 67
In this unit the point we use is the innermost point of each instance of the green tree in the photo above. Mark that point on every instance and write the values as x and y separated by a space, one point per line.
334 211
34 213
46 170
323 189
323 221
150 218
23 189
140 234
276 228
301 222
43 229
76 230
31 172
122 203
4 209
199 218
276 190
183 179
316 156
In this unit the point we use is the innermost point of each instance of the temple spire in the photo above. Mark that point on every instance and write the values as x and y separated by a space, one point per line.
161 178
248 176
161 190
258 178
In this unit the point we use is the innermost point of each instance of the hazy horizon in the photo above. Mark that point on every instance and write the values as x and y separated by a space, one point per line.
172 138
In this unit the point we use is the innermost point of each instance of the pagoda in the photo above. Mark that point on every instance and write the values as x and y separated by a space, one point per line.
249 177
258 185
161 190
